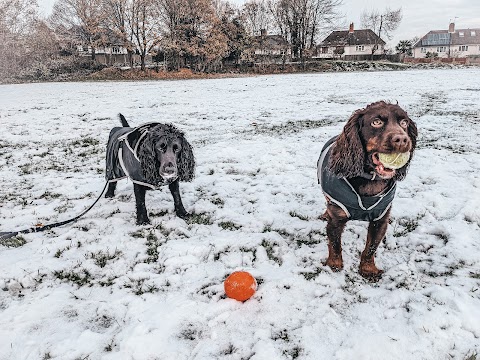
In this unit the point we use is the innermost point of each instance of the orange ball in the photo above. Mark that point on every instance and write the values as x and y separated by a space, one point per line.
240 285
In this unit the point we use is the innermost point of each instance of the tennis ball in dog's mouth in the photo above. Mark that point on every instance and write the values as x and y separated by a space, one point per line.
395 160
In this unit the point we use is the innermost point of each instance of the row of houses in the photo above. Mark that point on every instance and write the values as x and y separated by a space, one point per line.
349 44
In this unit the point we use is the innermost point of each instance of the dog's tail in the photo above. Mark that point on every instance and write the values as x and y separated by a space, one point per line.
123 120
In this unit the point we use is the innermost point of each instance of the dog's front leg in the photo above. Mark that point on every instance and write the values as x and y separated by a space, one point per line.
142 216
337 219
177 200
376 233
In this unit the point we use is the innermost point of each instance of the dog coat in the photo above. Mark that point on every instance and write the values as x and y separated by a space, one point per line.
122 155
340 192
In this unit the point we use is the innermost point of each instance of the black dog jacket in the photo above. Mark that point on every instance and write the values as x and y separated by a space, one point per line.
122 158
340 192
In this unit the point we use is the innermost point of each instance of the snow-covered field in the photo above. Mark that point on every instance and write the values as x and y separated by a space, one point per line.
104 288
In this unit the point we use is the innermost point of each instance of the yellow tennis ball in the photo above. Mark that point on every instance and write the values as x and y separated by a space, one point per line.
395 160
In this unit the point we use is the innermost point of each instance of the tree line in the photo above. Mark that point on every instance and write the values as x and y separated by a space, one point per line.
200 34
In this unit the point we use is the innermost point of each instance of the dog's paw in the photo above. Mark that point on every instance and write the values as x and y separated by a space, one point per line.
370 272
335 264
184 215
143 221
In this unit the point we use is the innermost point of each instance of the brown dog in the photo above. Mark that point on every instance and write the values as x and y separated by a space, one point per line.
356 184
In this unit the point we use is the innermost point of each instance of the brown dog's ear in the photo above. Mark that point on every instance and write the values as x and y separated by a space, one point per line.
348 155
412 134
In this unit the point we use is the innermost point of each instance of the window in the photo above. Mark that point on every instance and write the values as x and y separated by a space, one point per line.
324 50
423 50
463 48
461 34
360 48
473 33
116 50
441 49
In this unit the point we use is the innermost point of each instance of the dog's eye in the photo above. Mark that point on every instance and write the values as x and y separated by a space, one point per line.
175 148
377 123
404 123
163 146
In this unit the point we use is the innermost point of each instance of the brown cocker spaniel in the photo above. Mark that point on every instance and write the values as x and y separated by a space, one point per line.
355 182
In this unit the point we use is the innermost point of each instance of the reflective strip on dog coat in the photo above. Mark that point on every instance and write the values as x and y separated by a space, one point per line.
340 192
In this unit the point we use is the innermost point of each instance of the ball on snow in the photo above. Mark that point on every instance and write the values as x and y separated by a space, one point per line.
240 285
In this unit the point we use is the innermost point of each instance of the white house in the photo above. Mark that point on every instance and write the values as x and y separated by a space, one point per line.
449 43
350 44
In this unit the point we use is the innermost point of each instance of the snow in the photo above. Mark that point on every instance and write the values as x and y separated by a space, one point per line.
104 288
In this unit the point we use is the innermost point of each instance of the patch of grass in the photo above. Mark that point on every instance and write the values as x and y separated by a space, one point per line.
408 225
217 255
49 195
137 234
85 142
272 250
301 217
81 278
228 225
201 219
281 335
153 242
191 332
229 350
26 169
218 201
14 242
293 353
475 275
472 356
158 213
102 257
139 287
312 275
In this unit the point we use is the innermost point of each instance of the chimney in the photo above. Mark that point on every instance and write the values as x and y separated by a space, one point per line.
263 33
350 31
451 28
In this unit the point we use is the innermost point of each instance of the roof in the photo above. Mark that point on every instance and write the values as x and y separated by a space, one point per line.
270 41
443 37
358 37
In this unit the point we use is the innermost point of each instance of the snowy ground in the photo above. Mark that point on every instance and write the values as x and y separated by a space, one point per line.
104 288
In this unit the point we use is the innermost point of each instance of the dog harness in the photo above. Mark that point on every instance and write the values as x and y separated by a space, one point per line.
340 192
122 157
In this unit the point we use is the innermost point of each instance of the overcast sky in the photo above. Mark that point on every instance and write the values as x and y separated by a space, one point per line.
419 16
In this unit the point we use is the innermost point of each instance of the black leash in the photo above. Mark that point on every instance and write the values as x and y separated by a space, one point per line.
8 235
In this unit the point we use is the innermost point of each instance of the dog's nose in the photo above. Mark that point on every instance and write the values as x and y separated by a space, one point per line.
400 141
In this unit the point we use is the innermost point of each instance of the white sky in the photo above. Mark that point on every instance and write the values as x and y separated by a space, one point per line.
419 17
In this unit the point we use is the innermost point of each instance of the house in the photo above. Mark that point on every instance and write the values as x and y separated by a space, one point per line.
449 43
351 45
270 48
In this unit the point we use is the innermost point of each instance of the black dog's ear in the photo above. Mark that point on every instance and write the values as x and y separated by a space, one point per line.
348 155
412 134
148 159
186 163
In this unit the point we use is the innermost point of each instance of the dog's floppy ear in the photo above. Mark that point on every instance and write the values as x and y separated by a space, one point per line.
348 155
148 159
412 134
186 163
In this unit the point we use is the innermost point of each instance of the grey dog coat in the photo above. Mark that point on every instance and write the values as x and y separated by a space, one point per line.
122 155
340 192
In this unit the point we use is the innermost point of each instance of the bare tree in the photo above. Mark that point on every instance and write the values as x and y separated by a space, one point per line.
143 20
302 20
117 21
257 16
18 20
81 20
381 23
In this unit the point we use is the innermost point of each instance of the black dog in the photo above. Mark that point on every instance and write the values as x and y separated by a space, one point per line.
151 155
